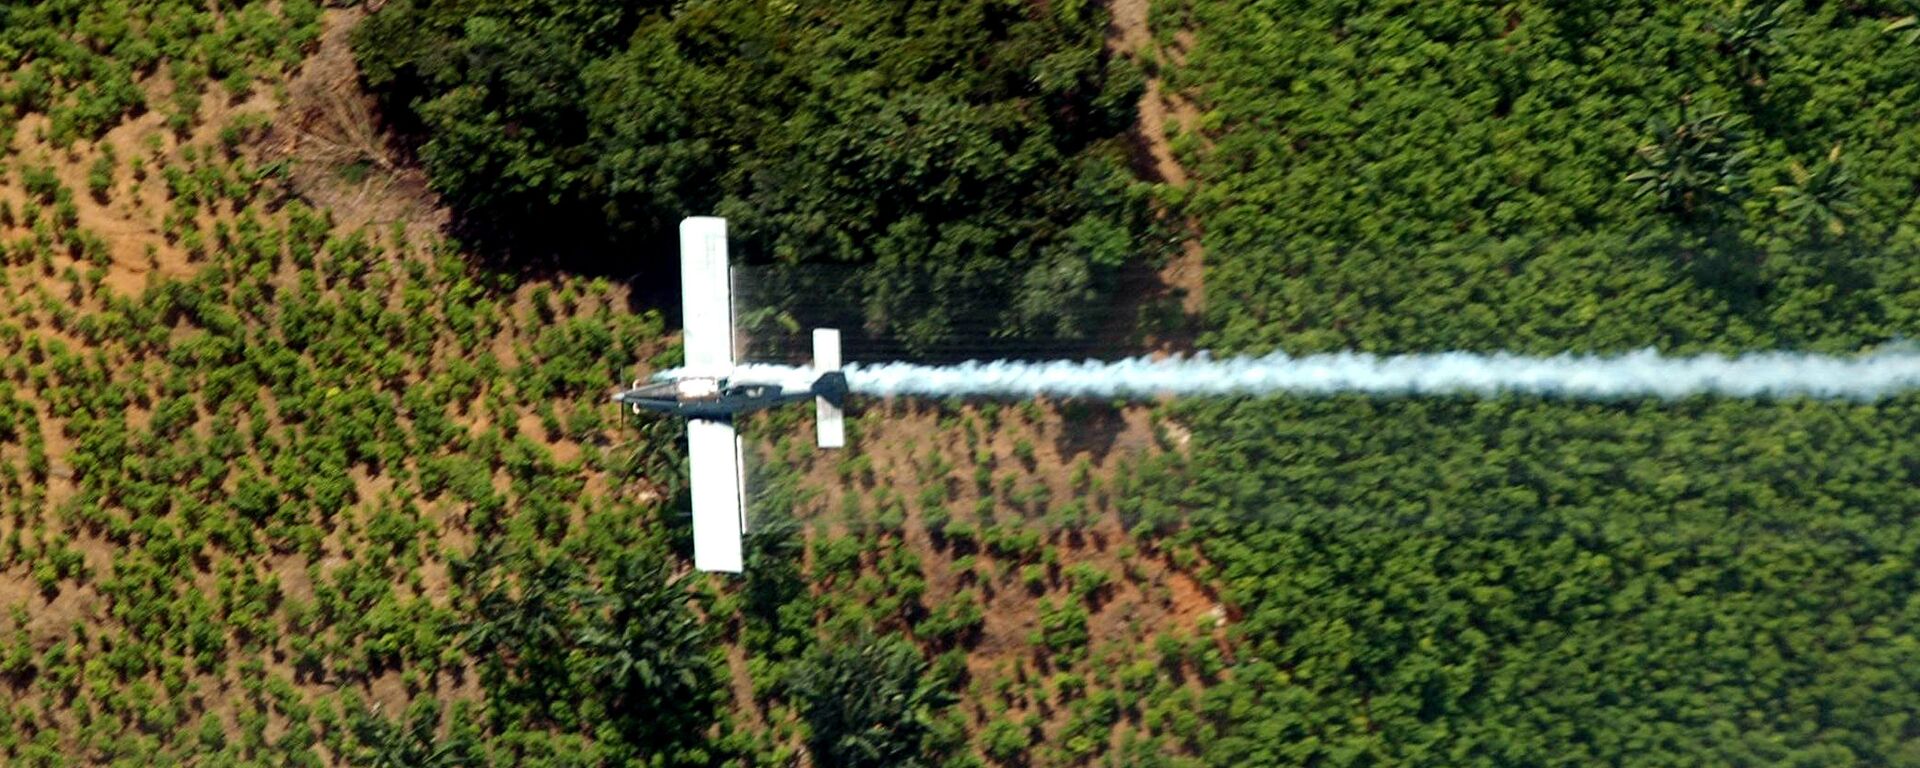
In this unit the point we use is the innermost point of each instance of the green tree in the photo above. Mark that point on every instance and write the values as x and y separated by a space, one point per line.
963 150
869 702
647 653
1747 31
1694 161
1448 581
1820 201
411 741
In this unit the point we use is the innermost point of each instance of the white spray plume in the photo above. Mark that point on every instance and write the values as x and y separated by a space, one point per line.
1636 374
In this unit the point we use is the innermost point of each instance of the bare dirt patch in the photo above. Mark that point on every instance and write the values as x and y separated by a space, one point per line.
341 158
134 243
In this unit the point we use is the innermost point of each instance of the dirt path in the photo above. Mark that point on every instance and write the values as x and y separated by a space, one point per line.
1129 35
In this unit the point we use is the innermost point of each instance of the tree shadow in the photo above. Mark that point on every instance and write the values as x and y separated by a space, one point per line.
645 260
1721 260
1737 271
1089 428
520 240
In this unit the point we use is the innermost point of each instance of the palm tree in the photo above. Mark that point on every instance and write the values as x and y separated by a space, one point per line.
528 631
1907 27
1747 33
1693 162
1820 200
870 702
646 650
416 744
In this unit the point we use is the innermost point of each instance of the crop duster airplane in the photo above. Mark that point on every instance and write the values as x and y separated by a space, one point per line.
709 393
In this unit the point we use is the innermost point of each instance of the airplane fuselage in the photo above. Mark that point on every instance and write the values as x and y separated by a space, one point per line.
720 398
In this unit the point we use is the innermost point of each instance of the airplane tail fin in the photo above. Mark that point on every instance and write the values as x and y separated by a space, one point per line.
832 385
830 390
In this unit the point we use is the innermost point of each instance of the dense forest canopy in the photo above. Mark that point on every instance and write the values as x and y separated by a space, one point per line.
966 149
1543 177
1526 581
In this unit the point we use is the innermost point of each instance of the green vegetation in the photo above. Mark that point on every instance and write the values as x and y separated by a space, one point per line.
269 478
81 64
1542 179
966 149
1525 581
284 484
870 702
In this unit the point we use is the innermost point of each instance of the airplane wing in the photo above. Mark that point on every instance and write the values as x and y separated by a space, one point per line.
713 449
719 505
830 422
706 294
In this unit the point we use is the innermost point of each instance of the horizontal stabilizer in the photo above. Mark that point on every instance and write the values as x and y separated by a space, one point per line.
829 419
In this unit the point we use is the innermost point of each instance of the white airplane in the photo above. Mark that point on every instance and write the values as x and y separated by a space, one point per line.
709 392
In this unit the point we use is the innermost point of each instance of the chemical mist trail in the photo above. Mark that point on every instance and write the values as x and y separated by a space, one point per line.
1637 374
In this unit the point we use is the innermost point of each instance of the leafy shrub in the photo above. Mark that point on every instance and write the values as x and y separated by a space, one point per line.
1004 740
955 620
1087 581
1063 629
100 175
40 183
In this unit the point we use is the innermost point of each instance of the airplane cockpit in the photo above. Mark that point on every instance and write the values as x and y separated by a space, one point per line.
697 389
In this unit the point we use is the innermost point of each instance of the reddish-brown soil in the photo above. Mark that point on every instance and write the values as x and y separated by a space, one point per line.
1147 596
324 125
